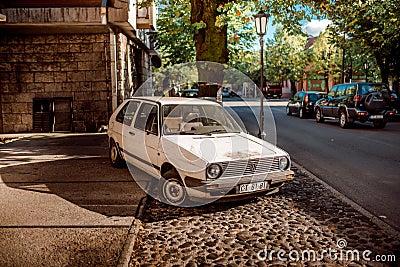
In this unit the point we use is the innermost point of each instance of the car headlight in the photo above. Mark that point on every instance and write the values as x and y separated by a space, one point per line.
283 163
213 171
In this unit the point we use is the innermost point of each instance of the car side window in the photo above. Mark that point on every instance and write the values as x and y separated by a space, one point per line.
341 90
296 96
126 114
147 118
332 92
351 90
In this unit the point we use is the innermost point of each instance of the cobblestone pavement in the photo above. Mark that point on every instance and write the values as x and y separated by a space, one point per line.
304 217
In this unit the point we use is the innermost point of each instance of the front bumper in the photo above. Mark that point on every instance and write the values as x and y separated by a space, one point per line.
229 187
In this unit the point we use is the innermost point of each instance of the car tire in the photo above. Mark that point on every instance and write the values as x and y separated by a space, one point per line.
343 120
301 114
288 112
114 154
379 124
318 115
172 190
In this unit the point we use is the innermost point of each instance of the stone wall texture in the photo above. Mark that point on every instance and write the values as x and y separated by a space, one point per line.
53 66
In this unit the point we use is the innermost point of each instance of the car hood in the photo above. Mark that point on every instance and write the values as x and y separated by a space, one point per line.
220 147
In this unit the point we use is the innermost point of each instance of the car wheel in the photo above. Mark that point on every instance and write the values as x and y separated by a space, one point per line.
301 113
173 191
379 124
288 112
318 115
343 120
115 156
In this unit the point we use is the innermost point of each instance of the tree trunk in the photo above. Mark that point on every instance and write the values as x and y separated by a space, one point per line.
211 41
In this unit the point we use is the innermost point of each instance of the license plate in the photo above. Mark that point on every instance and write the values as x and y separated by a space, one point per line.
372 117
245 188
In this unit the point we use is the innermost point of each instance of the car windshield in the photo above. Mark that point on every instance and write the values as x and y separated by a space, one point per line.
197 119
372 88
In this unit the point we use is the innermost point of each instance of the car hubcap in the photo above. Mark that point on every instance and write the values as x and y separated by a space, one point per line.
342 119
174 192
113 153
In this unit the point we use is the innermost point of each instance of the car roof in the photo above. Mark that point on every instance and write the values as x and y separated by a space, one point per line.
175 100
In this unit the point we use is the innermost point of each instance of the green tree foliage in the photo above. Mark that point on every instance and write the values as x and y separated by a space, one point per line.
285 56
371 24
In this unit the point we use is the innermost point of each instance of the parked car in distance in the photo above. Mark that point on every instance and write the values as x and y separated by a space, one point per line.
302 103
357 102
194 149
273 90
190 93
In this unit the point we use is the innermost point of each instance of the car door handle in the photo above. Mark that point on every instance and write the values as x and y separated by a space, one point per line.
131 133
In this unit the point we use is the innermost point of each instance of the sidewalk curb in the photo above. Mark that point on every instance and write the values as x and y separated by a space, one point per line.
374 219
127 249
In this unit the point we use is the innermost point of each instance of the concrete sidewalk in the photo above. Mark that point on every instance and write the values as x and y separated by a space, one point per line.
62 204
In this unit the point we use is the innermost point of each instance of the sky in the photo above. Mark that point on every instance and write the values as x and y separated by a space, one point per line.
313 27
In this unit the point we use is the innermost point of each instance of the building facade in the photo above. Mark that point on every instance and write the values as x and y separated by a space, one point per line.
66 65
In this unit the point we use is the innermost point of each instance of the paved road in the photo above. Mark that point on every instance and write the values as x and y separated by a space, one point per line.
62 204
362 163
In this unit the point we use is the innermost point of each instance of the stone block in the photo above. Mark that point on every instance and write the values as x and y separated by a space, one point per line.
60 77
75 76
86 48
8 98
12 119
52 39
27 119
29 48
85 86
24 97
68 66
95 75
21 67
19 108
44 77
62 48
99 86
4 48
35 87
19 48
6 107
5 67
75 48
5 77
24 77
38 39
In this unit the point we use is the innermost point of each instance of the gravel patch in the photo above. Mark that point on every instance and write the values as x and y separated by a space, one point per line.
302 219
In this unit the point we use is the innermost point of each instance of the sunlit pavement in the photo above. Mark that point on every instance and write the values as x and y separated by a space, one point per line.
61 202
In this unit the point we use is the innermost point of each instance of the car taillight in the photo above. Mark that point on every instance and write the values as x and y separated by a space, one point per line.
357 98
306 99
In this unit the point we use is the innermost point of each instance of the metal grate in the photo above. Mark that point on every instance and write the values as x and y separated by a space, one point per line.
250 167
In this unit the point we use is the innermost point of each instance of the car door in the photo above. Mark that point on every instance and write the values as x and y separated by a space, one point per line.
142 139
327 107
336 102
298 102
292 104
123 120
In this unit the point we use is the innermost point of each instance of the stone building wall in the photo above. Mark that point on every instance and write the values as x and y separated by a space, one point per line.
71 66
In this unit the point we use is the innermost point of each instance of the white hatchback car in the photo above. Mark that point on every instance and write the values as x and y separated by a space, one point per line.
194 149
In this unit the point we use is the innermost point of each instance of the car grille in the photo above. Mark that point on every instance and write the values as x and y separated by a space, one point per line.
250 167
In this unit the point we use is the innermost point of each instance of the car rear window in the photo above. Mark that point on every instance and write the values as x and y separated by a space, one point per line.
315 97
371 88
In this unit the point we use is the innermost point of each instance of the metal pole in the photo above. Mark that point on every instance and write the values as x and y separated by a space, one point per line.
366 74
262 134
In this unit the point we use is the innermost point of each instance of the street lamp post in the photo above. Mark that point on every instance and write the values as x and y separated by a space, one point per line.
261 20
366 66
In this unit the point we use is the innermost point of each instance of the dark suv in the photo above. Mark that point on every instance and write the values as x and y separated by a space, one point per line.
303 103
356 102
